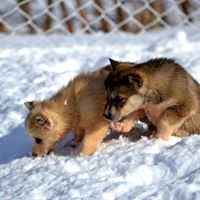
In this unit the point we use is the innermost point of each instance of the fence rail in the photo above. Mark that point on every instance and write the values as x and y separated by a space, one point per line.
88 16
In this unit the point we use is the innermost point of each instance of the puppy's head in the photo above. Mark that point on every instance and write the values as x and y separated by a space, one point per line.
44 126
122 88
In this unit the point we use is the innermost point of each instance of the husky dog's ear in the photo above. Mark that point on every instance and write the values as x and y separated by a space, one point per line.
136 80
30 104
113 64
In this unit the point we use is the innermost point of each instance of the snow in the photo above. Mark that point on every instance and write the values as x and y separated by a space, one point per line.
34 67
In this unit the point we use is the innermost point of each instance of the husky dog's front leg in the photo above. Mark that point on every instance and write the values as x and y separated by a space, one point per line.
92 138
128 123
172 119
78 134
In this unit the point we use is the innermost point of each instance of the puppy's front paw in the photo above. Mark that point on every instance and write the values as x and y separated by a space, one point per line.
122 126
117 126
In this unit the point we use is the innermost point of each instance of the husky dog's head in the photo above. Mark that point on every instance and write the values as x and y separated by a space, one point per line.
44 126
122 88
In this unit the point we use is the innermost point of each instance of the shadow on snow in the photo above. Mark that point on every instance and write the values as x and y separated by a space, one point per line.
15 144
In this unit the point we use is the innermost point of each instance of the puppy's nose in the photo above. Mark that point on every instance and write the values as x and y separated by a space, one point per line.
48 152
107 115
34 154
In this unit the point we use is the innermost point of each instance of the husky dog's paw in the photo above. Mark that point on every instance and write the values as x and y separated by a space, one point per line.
122 126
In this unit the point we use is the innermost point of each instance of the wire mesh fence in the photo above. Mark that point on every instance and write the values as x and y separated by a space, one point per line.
89 16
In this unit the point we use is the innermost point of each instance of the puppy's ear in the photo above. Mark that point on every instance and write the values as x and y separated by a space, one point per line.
113 64
136 80
30 104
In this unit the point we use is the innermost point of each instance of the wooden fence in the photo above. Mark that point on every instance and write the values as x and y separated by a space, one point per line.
89 16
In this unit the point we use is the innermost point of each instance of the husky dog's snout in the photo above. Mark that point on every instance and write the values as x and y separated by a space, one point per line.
107 115
107 112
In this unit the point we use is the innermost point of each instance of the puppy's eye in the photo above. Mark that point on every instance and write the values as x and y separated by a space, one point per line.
120 101
38 140
40 120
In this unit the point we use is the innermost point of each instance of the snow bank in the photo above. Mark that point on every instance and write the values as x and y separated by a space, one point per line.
122 168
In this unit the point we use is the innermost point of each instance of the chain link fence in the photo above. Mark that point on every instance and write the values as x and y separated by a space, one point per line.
89 16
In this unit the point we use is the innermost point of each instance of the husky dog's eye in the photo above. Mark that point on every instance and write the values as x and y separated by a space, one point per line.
38 140
40 120
119 101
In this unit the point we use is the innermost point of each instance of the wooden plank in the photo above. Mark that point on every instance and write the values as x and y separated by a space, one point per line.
65 12
48 20
25 8
2 28
82 13
103 23
185 7
121 17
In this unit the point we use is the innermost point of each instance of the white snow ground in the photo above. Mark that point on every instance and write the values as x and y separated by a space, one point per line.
33 68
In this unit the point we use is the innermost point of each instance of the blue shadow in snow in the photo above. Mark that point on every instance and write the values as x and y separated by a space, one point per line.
15 144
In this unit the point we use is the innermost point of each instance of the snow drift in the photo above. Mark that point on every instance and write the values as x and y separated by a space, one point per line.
124 167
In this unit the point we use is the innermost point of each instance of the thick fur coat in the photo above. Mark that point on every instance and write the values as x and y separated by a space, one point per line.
77 107
169 96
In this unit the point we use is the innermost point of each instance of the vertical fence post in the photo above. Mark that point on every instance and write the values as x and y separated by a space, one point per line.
82 13
103 24
48 20
147 16
158 7
185 7
65 12
25 8
120 17
2 27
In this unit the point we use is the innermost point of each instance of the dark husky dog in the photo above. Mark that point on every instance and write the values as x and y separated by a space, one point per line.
167 93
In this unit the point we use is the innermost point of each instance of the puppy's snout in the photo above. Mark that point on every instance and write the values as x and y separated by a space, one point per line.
48 152
107 115
34 154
